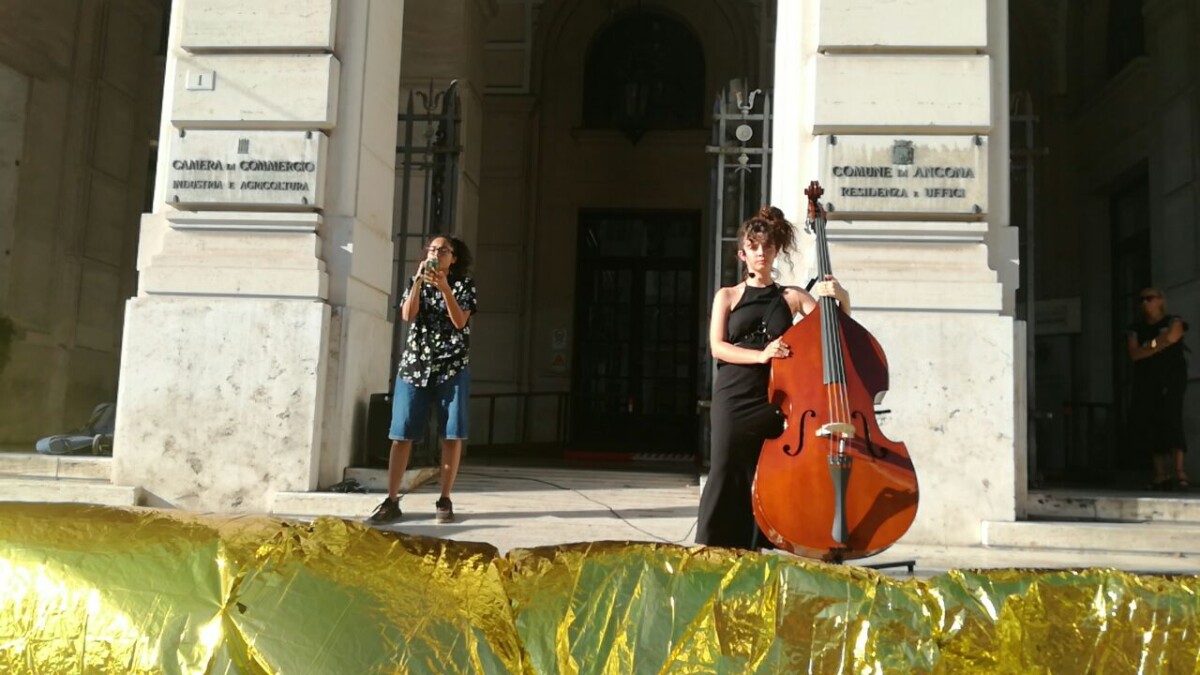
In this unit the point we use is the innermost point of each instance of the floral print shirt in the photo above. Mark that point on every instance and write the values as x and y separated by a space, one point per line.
436 350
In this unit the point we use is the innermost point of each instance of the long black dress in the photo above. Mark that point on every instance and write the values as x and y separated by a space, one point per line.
1159 381
739 404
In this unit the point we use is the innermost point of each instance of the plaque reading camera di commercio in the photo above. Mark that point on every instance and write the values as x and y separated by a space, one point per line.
913 175
239 169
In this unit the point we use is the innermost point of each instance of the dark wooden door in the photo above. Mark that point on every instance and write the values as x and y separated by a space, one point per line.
636 332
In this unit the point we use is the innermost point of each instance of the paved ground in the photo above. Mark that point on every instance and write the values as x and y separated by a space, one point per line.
511 506
522 507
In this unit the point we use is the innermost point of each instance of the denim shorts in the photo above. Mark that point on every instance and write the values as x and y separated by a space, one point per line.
410 408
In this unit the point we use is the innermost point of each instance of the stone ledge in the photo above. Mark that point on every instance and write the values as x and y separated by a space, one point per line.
349 505
250 221
1131 508
68 491
376 479
901 231
34 465
930 560
305 505
1156 538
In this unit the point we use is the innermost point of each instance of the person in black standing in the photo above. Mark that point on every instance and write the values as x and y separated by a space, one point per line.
1155 344
744 334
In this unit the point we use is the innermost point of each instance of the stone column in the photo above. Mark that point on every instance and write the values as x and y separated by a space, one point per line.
1171 27
260 323
14 98
893 107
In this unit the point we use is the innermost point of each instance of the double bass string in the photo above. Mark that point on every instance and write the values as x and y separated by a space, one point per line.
826 337
834 361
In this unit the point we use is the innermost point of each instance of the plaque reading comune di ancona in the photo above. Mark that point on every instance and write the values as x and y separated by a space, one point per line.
944 175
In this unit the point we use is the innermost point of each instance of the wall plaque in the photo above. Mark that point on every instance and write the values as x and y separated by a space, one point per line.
247 168
914 174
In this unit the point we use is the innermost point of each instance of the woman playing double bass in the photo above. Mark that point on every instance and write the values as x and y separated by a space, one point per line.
744 335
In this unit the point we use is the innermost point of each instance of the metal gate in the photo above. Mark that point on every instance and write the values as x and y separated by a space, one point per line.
741 180
427 180
740 184
427 173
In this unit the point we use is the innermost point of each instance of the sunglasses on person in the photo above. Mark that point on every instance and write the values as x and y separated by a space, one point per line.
440 250
1148 298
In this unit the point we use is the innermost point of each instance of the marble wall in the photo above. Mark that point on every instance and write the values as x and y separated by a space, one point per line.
260 326
221 400
297 297
83 81
14 96
924 284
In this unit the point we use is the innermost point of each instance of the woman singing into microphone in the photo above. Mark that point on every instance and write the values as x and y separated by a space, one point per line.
744 335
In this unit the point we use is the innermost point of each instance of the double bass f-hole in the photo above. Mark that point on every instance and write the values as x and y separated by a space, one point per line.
787 449
876 451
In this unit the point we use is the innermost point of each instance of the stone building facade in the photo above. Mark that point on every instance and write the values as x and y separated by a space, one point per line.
1003 175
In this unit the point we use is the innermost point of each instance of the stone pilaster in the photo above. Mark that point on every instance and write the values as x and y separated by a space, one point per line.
253 342
1171 27
879 100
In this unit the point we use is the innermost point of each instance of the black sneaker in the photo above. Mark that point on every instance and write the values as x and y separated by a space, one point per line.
445 510
388 511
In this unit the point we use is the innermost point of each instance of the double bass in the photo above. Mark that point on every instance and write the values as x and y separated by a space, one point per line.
832 486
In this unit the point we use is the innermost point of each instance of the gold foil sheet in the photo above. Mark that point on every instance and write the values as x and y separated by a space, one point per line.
102 590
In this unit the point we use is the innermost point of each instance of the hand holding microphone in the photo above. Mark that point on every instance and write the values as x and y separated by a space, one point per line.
429 270
426 272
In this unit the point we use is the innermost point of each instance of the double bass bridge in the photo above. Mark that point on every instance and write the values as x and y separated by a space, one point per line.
840 429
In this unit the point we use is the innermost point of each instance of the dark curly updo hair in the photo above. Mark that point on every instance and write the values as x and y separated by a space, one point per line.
768 226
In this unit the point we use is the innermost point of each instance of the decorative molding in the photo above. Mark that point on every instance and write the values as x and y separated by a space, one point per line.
246 221
906 232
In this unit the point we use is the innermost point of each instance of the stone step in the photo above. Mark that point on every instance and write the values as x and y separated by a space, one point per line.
70 490
349 505
932 559
34 465
1126 507
1177 539
305 505
376 479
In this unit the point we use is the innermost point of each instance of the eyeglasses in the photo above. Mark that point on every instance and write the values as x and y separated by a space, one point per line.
440 250
1148 298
